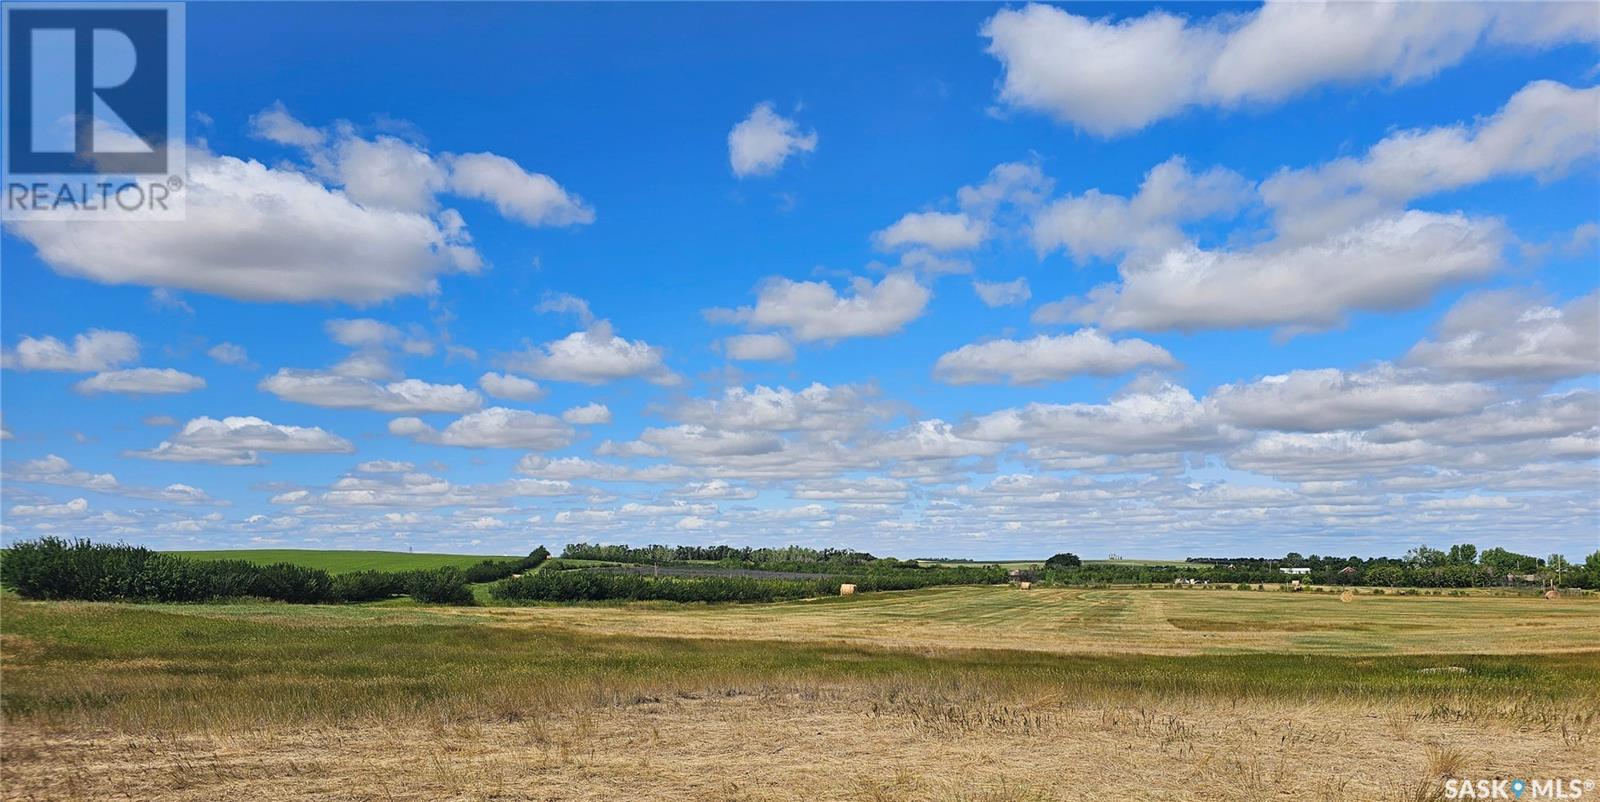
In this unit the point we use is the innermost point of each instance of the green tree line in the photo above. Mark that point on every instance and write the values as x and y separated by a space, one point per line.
53 568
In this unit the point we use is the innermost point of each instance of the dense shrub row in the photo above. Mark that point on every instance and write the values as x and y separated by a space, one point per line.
786 559
1462 566
665 554
601 585
492 570
52 568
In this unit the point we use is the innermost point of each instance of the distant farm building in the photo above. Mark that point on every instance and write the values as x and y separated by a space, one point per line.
1296 571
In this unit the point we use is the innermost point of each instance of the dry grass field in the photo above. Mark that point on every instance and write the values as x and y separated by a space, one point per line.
943 694
1142 621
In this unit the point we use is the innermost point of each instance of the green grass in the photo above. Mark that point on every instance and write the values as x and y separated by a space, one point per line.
215 666
342 562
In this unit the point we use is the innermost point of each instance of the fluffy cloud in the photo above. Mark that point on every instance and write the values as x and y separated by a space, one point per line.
276 124
1105 77
75 508
562 303
996 294
838 410
813 310
940 231
758 348
931 439
238 441
361 332
588 414
391 173
1542 131
1328 399
871 490
1508 334
94 350
280 233
1095 224
515 388
1113 76
386 172
1048 358
1386 264
229 354
257 233
495 427
1157 419
567 468
55 470
695 441
1286 48
533 198
1016 184
716 489
595 355
926 239
762 142
141 381
1341 455
420 491
323 389
1575 413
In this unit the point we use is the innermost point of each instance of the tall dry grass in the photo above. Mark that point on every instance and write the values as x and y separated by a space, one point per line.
106 701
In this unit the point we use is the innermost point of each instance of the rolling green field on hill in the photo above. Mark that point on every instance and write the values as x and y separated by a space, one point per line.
340 562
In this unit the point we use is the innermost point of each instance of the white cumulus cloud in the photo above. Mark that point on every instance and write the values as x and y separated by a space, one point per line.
595 355
1049 358
588 414
814 310
1386 264
236 440
509 386
323 389
763 141
141 381
94 350
494 427
1110 76
1510 334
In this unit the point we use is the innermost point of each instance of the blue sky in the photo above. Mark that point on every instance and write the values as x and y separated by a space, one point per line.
1243 295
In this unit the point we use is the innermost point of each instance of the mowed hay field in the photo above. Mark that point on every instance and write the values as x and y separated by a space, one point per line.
986 693
1096 621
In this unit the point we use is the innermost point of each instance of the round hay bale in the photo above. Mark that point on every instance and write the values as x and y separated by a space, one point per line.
847 590
1347 597
1552 594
